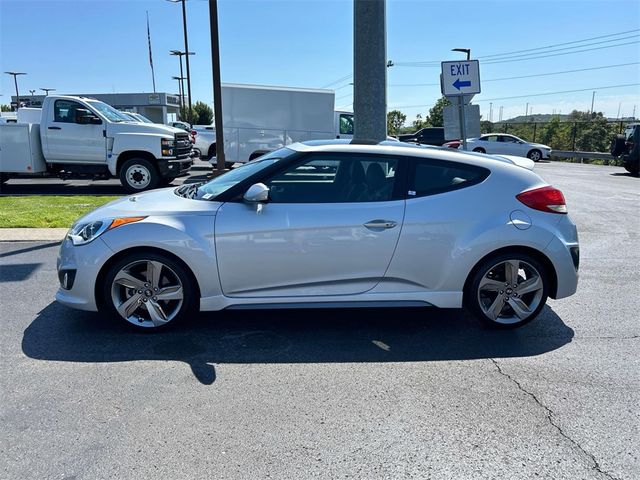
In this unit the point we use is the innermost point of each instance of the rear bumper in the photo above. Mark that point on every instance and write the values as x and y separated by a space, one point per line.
563 251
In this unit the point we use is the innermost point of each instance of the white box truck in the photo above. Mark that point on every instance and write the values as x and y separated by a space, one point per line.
83 137
258 119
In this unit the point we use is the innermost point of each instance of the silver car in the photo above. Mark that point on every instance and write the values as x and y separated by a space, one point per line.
503 144
329 224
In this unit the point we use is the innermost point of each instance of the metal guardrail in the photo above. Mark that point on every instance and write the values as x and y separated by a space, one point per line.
578 154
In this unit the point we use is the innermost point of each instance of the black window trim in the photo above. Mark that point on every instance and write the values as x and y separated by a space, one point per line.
411 172
80 105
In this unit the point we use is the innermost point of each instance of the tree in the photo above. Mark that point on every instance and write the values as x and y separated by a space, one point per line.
204 113
395 121
436 114
5 108
419 123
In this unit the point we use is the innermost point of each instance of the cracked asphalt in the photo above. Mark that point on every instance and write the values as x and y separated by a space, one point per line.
387 393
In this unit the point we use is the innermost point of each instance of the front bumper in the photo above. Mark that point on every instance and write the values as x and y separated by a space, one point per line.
174 167
85 261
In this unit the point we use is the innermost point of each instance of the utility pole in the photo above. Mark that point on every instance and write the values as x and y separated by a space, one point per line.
526 111
490 112
619 106
15 81
186 47
217 83
593 97
369 71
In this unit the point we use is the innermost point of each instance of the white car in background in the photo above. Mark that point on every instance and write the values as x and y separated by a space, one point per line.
503 144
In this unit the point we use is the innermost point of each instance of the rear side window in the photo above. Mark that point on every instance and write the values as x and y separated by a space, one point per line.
430 177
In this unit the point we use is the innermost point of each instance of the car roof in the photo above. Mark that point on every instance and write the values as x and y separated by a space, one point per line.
404 149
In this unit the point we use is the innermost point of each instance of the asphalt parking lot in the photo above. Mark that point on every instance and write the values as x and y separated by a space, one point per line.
388 393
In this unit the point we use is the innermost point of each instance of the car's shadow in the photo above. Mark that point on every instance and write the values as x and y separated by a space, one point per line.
290 336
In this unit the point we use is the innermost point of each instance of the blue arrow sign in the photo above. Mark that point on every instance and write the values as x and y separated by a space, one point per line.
459 84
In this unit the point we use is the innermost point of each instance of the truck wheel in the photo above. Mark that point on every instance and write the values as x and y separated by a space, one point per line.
257 153
618 145
138 174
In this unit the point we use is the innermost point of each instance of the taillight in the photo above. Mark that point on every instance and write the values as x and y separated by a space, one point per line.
545 199
194 133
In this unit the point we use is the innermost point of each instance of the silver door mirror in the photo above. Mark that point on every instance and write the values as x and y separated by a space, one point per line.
257 193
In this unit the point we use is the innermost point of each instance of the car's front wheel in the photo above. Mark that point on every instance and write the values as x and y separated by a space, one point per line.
535 155
508 290
149 291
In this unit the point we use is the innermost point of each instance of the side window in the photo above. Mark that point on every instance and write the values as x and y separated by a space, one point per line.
335 179
346 124
506 139
491 138
65 111
429 177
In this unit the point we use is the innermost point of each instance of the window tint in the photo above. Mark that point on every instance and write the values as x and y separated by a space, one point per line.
429 177
65 111
507 139
335 179
346 124
491 138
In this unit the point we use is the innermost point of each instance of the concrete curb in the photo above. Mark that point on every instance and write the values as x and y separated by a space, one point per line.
32 234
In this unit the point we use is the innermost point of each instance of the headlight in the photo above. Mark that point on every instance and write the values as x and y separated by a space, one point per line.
167 145
83 233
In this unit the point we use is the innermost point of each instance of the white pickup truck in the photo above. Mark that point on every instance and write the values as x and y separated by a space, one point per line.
258 119
80 137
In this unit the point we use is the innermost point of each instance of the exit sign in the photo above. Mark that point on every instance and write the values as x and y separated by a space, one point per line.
460 78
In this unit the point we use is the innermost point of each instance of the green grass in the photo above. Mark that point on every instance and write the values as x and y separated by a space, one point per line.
46 211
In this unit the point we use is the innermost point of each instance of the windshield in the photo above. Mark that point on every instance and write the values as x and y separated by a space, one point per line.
219 185
109 112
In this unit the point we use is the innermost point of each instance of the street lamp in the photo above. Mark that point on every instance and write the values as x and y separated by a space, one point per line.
186 46
180 79
47 90
15 80
463 50
179 54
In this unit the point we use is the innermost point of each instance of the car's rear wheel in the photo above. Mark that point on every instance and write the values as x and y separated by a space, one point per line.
508 290
618 145
149 291
535 155
479 150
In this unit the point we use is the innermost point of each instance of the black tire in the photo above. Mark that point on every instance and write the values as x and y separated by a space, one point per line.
3 178
479 300
618 145
211 152
479 150
228 165
164 182
175 311
139 174
632 169
535 155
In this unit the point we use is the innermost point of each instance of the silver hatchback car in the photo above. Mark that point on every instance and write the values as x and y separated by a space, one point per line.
329 224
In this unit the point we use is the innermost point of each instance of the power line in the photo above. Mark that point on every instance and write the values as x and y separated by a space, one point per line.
342 79
522 76
556 93
561 44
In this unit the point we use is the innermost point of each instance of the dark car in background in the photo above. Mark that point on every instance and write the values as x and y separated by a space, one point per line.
426 136
627 147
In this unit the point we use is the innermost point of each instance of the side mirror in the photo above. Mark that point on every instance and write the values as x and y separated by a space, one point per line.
86 117
257 193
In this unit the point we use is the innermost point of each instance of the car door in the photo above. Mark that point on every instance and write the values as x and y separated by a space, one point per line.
330 228
510 145
72 142
489 143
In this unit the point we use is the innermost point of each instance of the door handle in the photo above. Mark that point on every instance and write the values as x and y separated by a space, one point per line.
54 128
380 224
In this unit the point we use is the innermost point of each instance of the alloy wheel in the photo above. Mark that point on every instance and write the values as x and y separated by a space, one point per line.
147 293
510 292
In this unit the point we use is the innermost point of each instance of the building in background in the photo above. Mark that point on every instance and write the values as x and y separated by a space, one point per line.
157 107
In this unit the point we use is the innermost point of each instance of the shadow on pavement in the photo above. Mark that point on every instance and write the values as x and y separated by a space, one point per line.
289 336
18 272
28 249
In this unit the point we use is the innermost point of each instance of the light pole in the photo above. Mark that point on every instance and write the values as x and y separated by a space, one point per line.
15 81
179 54
461 115
186 46
593 97
180 79
217 85
47 90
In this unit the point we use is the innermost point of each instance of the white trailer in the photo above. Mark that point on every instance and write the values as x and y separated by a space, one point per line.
259 118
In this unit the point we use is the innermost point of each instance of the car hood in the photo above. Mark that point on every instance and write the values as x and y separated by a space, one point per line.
153 203
136 127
